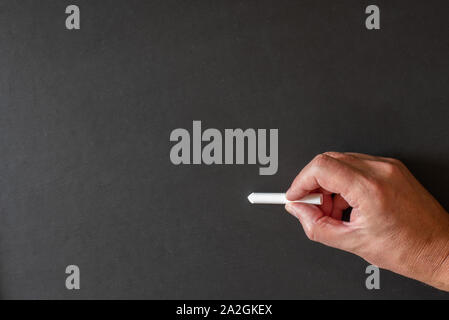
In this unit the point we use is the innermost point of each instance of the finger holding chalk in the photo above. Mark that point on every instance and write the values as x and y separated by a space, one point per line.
280 198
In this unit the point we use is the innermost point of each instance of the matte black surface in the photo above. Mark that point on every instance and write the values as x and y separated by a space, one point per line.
85 118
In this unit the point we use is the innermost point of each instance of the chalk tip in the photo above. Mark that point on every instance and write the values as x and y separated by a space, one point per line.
251 198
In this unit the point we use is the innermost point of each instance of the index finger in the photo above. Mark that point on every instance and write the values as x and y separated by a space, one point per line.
330 174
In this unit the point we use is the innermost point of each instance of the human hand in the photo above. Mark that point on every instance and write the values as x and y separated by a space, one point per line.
395 223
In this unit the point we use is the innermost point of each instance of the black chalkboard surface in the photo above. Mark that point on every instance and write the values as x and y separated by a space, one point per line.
85 123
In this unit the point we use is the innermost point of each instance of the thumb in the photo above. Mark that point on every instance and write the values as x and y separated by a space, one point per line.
320 227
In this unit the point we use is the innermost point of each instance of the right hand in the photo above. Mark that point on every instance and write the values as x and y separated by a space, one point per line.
395 223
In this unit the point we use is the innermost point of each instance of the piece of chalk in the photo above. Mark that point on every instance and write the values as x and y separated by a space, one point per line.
280 198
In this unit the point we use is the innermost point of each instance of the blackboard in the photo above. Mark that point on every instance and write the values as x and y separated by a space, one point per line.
86 115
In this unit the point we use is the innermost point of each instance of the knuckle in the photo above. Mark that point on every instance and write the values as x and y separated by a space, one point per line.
340 156
395 162
320 160
321 222
392 169
399 164
313 230
333 154
311 233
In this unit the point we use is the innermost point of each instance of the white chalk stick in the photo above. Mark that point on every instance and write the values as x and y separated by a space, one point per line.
280 198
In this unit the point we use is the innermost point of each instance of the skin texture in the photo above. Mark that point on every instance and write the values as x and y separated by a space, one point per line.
395 223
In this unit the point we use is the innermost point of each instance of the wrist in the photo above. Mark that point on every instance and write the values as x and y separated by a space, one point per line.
440 279
433 262
426 259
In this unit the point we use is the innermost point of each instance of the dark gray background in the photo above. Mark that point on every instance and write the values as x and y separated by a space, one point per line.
85 118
